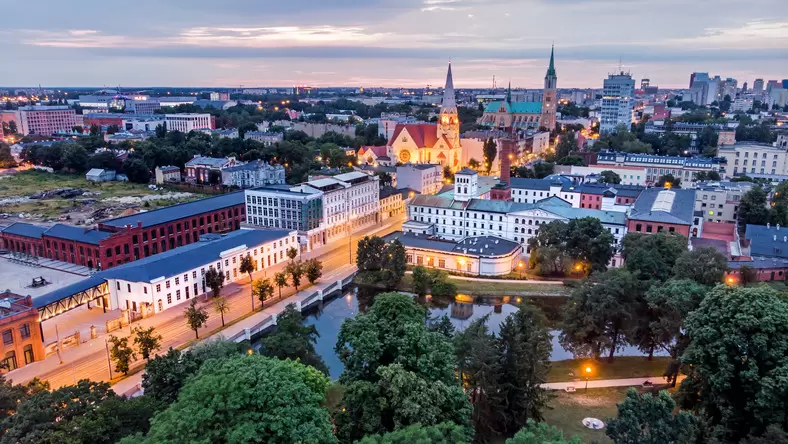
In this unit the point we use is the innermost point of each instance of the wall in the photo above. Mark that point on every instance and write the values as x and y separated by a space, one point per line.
33 342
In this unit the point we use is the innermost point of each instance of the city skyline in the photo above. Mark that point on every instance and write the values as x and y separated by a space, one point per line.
389 43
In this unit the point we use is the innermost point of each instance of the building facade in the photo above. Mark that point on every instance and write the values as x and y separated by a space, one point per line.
198 169
253 174
423 178
21 330
755 159
719 201
188 122
264 137
618 101
665 210
167 173
46 120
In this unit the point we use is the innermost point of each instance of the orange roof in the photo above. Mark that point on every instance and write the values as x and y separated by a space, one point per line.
380 151
719 231
424 135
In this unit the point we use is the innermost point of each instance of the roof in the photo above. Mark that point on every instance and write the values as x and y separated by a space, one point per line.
96 172
467 171
721 246
188 257
767 240
378 151
254 165
472 246
208 161
422 134
68 290
515 107
388 191
530 184
448 101
618 190
24 229
169 168
691 162
88 236
604 216
678 210
180 211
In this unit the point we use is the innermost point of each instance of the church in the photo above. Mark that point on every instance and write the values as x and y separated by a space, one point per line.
430 143
525 115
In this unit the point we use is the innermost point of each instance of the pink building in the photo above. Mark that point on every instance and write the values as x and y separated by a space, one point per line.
46 120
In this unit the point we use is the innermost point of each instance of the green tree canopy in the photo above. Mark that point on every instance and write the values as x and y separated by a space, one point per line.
541 433
652 256
560 246
753 209
609 176
293 340
649 419
246 399
738 353
703 265
490 150
443 433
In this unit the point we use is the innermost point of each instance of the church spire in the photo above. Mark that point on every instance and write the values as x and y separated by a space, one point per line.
449 101
551 68
509 93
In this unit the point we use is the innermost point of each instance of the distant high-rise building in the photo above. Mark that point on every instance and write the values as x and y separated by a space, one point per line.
744 88
644 83
757 87
698 76
771 84
617 102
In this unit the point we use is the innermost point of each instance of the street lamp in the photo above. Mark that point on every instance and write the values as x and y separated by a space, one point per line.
520 266
588 375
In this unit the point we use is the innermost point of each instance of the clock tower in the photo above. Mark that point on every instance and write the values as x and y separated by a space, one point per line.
449 122
549 98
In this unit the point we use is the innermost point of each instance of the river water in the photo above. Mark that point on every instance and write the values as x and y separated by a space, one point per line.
329 318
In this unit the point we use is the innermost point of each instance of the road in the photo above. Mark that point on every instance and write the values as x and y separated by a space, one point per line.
89 360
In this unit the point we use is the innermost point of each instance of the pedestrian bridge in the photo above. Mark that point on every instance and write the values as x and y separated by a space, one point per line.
72 296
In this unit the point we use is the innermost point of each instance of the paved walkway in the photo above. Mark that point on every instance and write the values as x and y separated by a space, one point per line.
580 385
501 281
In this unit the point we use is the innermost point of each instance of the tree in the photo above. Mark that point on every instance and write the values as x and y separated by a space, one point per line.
380 262
421 281
392 364
609 176
582 244
221 306
748 275
165 374
738 353
247 266
121 353
313 270
707 141
701 176
649 419
196 317
112 129
752 208
293 340
448 174
280 279
75 158
598 314
292 253
703 265
136 170
669 181
296 272
252 399
6 158
566 144
474 164
652 256
214 177
214 280
146 341
443 433
84 412
105 160
541 433
490 150
262 290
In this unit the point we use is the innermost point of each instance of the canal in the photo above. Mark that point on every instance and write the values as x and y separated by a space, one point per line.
461 311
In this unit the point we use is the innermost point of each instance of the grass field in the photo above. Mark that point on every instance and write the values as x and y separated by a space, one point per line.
621 367
26 183
497 288
568 410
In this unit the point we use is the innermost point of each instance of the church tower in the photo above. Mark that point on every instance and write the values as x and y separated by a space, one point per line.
550 96
449 122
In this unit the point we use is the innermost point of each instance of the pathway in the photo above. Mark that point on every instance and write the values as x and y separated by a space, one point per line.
501 281
580 385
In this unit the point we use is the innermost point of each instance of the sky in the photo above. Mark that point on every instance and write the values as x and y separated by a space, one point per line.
390 43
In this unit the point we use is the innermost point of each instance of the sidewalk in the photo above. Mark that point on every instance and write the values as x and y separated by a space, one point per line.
602 383
501 281
131 385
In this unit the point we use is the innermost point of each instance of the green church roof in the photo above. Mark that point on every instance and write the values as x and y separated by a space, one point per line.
515 107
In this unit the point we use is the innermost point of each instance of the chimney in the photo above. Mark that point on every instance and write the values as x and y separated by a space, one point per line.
507 149
778 227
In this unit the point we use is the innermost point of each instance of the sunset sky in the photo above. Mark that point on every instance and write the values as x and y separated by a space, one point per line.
386 42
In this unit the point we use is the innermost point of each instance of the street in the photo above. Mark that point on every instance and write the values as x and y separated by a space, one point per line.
89 360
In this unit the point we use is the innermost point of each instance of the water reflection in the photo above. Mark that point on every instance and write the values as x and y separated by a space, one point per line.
328 319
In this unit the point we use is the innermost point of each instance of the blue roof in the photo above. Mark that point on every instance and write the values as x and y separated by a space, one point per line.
216 162
515 107
682 209
24 229
188 257
88 236
535 184
767 240
180 211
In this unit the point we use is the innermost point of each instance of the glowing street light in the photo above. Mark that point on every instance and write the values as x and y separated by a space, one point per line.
588 371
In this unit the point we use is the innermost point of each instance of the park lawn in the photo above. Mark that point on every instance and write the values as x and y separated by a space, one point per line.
621 367
497 288
25 183
567 411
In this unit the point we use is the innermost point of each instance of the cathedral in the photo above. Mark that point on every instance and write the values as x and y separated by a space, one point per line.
525 115
429 143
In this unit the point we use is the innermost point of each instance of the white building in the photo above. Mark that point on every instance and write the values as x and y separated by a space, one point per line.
147 123
264 137
480 255
423 177
167 173
618 100
187 122
322 210
463 216
756 160
170 278
253 174
719 201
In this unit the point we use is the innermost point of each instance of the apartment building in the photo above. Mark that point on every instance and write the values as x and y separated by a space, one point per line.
423 177
756 160
46 120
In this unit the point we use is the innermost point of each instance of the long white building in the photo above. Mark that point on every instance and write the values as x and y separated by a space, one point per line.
322 210
187 122
171 278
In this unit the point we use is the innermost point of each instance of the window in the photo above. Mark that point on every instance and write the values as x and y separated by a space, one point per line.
24 331
128 287
145 289
177 295
177 281
167 284
8 337
117 285
158 288
169 298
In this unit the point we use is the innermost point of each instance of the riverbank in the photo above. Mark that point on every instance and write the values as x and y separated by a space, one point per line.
492 287
622 367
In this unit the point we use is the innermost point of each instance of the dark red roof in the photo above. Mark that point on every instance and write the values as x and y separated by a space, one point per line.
424 135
